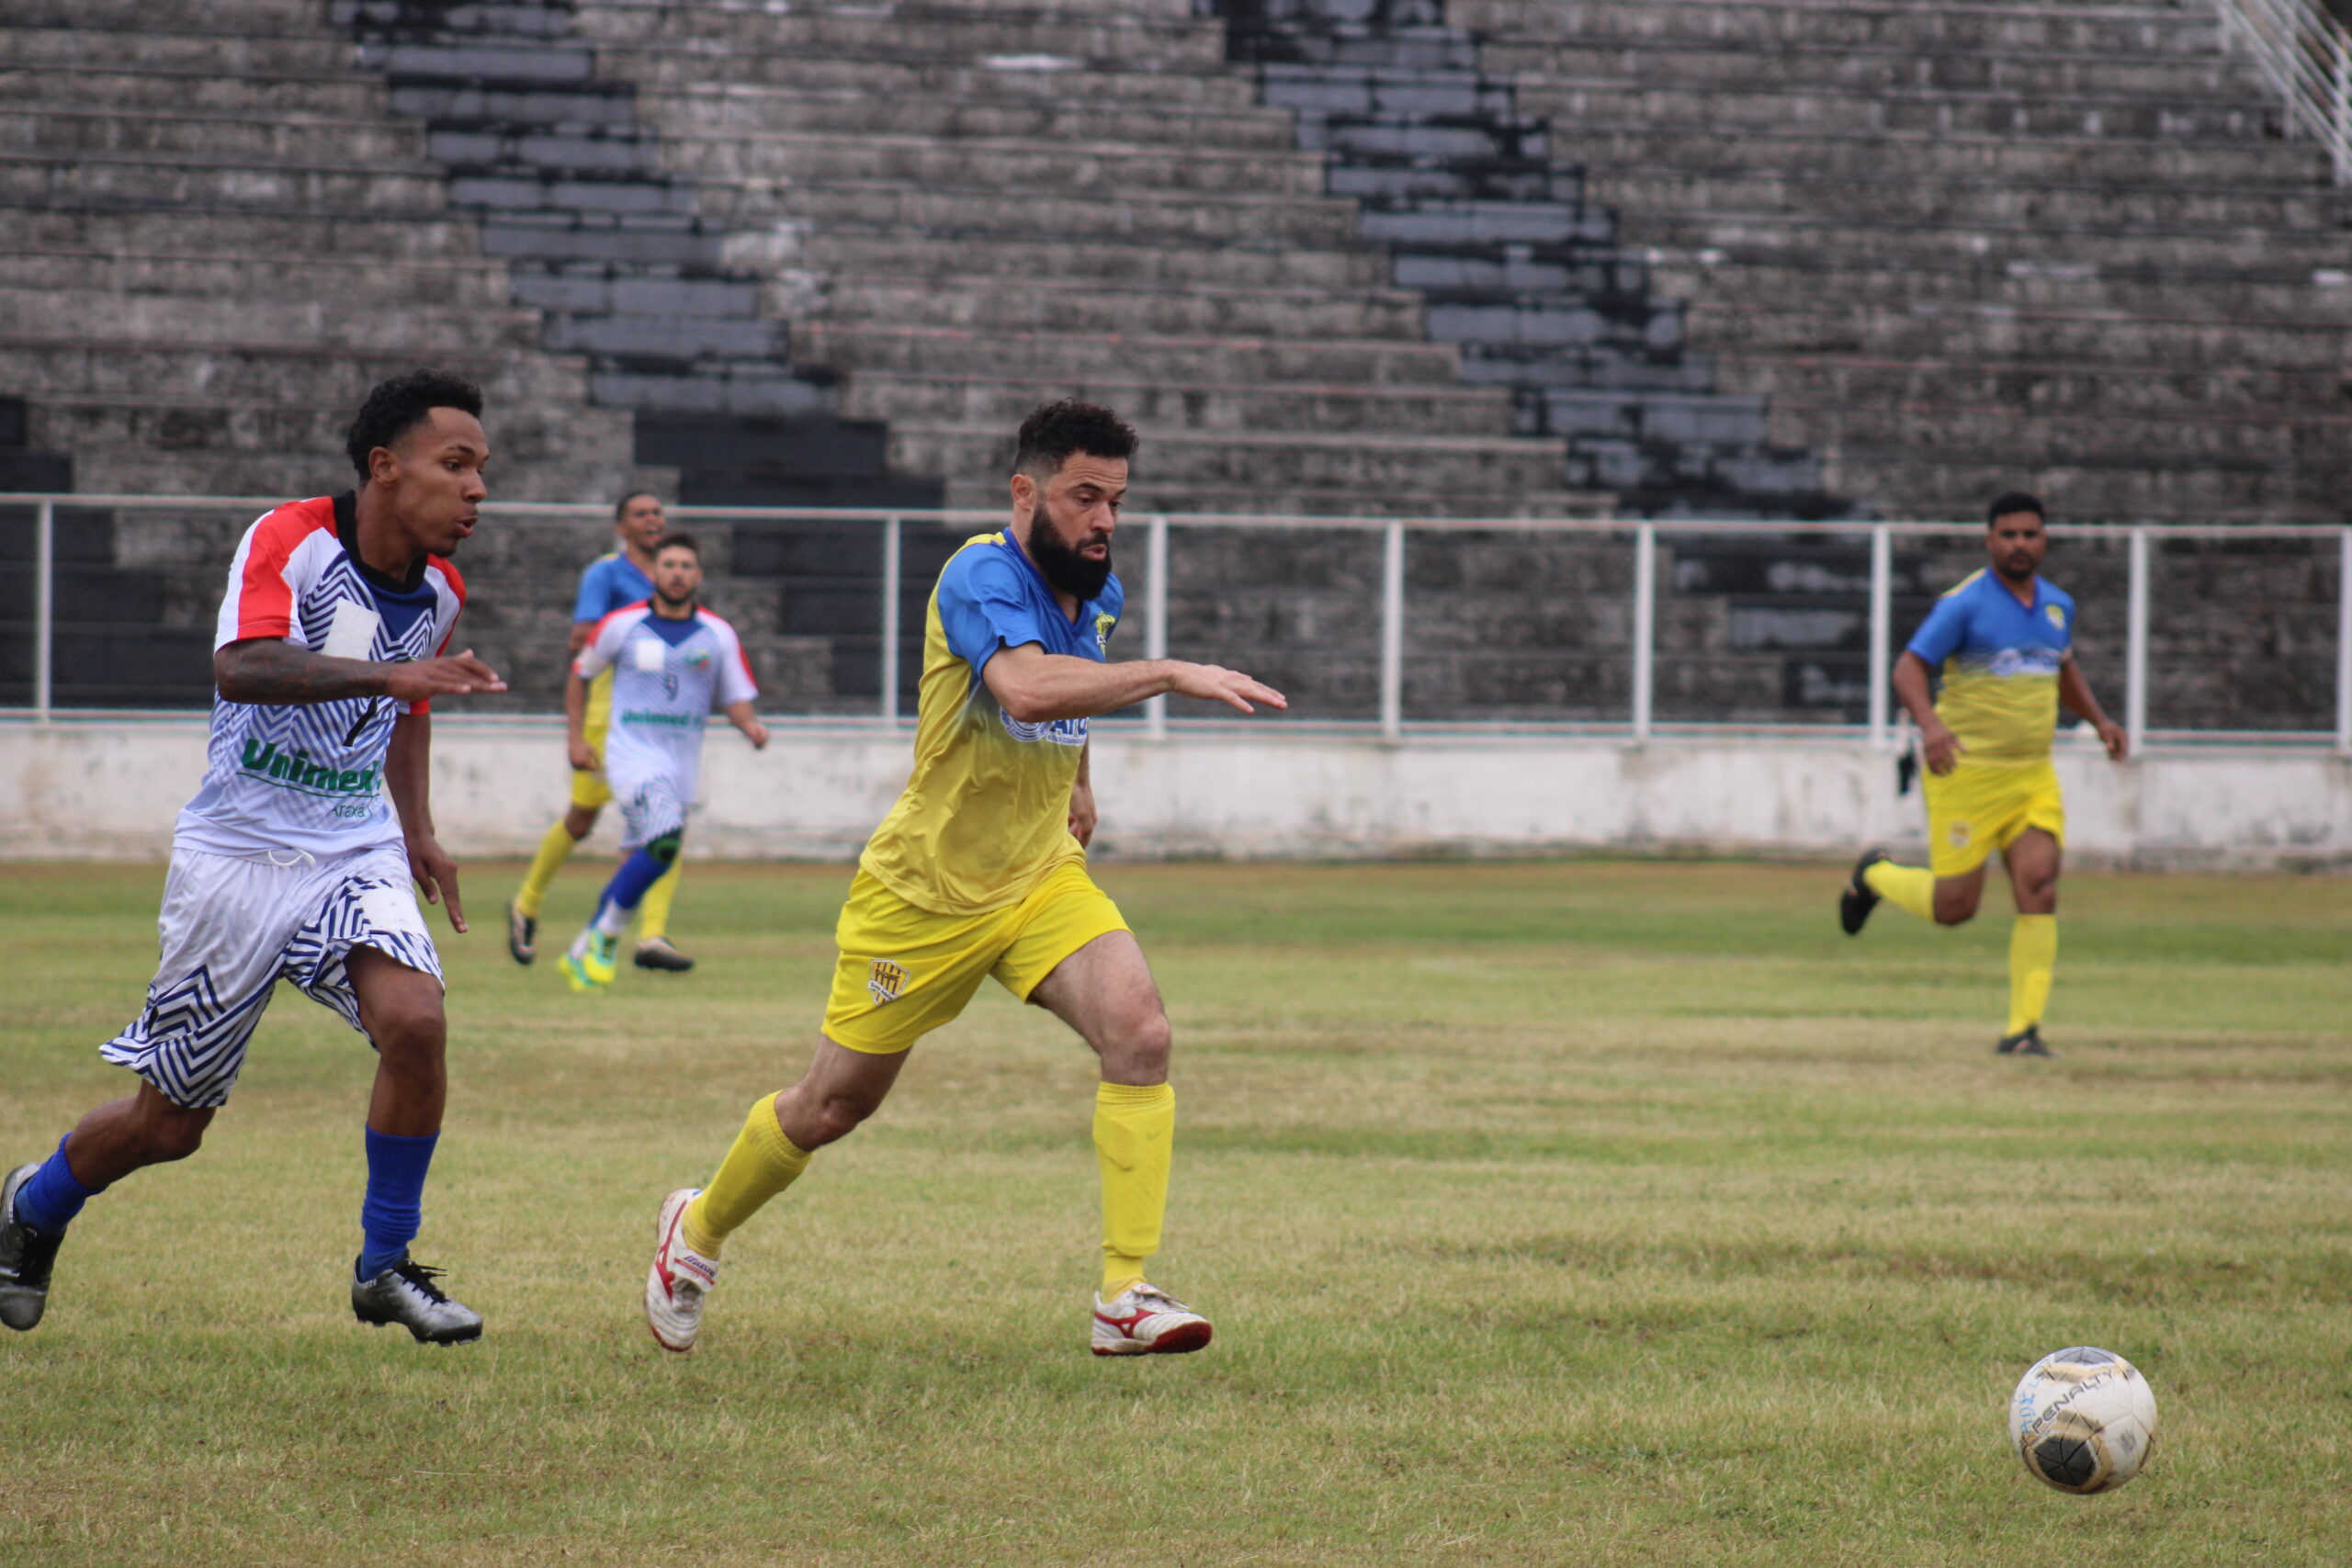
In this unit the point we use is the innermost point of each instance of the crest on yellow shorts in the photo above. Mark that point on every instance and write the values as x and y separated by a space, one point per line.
1959 835
886 981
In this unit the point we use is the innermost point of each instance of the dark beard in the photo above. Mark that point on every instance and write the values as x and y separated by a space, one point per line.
1068 572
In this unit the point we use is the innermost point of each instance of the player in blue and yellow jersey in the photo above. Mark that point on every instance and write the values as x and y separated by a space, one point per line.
2003 642
612 582
980 871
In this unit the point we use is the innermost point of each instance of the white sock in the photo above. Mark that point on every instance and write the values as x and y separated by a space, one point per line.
611 920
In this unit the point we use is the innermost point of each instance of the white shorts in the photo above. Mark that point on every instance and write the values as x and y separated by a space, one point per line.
651 807
231 928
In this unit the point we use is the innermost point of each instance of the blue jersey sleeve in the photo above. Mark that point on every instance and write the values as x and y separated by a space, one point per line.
591 605
983 606
1940 635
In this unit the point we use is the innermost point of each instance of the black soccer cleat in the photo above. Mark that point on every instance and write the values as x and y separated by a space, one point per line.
405 1295
2025 1042
522 934
1855 904
655 953
27 1257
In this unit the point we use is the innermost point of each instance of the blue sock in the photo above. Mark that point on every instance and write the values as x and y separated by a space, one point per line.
640 872
394 1209
51 1197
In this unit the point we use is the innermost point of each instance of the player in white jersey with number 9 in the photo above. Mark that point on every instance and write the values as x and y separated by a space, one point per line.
671 659
291 862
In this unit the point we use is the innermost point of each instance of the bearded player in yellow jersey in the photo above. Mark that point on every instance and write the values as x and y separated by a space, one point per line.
980 871
2003 641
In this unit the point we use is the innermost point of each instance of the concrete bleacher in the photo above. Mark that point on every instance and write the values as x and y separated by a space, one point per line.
1783 258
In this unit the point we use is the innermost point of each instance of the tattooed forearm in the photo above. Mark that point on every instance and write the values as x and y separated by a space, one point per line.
268 671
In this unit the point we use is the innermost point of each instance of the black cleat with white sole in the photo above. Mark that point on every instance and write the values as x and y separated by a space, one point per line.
26 1257
655 953
2025 1042
405 1295
1855 904
522 934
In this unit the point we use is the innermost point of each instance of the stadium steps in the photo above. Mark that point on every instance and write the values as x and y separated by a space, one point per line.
1463 191
1964 249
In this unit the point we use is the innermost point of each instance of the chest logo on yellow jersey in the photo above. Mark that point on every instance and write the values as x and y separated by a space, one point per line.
886 981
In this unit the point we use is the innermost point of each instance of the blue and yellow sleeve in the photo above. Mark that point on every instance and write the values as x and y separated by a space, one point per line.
982 606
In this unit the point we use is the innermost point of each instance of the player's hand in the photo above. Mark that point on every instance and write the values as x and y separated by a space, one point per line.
1081 814
454 676
2117 740
757 734
583 757
1215 684
1941 747
436 874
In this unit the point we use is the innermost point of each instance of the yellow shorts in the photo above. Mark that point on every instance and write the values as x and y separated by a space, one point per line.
1972 811
904 971
590 790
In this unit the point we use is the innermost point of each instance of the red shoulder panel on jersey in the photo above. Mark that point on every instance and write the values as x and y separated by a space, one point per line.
264 594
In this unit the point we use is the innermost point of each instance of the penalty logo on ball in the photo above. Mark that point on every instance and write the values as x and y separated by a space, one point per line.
2083 1420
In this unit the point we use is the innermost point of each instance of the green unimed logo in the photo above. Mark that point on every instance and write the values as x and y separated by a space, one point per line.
296 771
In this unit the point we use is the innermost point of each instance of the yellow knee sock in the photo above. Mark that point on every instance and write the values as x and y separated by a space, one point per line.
762 1163
1911 887
1133 1128
654 911
2033 953
554 850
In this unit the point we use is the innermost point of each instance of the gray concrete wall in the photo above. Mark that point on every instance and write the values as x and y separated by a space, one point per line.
109 790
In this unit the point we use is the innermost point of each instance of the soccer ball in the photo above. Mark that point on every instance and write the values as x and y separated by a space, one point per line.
2083 1420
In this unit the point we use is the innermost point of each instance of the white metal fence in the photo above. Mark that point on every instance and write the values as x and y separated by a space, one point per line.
2305 55
1396 538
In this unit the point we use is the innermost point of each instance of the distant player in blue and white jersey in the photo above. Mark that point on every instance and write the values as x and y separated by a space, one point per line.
2003 642
671 659
295 858
612 582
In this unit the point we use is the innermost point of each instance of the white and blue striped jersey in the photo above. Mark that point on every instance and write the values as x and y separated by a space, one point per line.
667 675
310 776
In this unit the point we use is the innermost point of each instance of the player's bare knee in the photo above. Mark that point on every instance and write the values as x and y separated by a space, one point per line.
171 1131
1955 909
835 1117
1135 1050
413 1041
579 821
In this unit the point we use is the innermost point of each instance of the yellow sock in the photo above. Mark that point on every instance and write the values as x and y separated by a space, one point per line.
1133 1130
2033 953
554 850
762 1163
1911 887
654 911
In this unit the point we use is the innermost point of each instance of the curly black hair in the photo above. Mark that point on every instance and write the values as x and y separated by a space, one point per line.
399 405
1053 430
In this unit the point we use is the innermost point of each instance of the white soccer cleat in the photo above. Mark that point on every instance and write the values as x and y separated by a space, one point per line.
1146 1321
680 1279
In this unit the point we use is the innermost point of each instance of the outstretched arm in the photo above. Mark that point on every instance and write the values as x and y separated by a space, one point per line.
1037 687
408 774
271 670
2074 691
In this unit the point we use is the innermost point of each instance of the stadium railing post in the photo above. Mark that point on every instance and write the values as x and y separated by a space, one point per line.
1392 632
2344 645
44 606
1882 619
2135 658
1644 625
891 541
1155 618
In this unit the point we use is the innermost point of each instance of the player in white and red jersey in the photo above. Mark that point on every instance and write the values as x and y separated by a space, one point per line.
671 659
295 858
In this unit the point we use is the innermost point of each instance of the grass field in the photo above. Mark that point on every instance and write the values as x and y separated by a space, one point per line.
1586 1212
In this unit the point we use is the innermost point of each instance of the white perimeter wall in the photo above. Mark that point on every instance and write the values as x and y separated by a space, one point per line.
111 787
